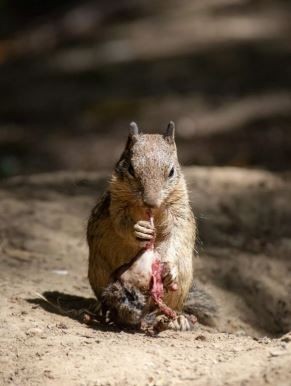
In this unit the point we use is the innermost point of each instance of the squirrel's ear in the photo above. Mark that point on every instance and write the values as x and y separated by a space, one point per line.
170 132
133 133
133 129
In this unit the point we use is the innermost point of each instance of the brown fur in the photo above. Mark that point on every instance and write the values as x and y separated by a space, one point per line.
110 231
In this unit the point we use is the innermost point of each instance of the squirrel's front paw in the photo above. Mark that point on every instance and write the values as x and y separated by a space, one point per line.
170 276
144 231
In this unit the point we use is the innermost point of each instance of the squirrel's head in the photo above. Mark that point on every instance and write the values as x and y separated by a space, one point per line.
148 170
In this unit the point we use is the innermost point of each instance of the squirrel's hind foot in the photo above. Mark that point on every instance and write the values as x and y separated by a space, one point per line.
183 322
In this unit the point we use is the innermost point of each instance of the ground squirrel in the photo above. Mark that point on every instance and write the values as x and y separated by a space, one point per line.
147 175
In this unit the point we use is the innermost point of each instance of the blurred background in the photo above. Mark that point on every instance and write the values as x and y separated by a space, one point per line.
73 74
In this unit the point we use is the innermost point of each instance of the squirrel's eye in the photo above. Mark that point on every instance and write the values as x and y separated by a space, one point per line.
171 173
130 170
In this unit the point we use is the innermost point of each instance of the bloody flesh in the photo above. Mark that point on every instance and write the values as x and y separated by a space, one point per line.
156 285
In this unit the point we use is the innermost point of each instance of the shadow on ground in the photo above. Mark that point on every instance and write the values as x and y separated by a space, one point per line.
71 306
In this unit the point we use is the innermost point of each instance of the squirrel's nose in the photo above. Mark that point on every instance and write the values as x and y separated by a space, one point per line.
152 201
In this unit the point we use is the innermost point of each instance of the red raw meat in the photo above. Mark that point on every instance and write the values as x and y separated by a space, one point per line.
156 285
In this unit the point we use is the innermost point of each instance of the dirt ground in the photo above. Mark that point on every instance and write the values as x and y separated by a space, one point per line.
244 249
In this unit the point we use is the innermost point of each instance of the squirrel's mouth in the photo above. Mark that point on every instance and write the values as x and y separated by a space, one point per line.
147 206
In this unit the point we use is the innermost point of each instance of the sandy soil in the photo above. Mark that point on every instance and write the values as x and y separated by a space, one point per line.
244 264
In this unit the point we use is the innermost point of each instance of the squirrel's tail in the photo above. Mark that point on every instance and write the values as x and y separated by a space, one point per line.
202 305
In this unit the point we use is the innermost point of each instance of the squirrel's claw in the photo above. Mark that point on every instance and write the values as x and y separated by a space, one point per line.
144 232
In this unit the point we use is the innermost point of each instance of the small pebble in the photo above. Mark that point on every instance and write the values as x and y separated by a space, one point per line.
276 353
201 337
34 331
